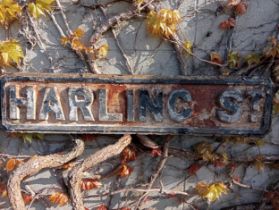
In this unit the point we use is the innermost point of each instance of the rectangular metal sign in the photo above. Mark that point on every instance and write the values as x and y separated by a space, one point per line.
135 104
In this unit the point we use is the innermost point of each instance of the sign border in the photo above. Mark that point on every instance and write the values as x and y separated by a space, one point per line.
136 79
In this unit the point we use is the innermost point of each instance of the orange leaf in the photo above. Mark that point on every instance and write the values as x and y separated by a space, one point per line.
27 198
58 198
215 57
241 8
89 184
3 190
12 164
128 154
227 24
124 170
192 169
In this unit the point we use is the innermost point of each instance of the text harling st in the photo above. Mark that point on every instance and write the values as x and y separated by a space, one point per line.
107 107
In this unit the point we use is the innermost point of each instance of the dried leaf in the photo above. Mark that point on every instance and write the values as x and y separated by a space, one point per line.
39 7
11 164
205 151
156 152
233 59
215 57
192 169
10 53
9 12
102 52
241 8
27 198
188 46
163 23
59 198
233 2
124 170
259 163
89 184
272 49
253 59
3 190
227 24
102 207
211 192
128 154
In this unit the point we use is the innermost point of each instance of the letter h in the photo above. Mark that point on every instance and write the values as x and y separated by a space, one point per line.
15 103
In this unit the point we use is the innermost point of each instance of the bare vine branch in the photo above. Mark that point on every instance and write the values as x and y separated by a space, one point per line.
34 165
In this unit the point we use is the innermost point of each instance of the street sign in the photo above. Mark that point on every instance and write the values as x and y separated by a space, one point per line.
135 104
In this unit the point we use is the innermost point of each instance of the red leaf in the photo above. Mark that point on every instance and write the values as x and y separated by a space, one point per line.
102 207
227 24
156 152
192 169
27 198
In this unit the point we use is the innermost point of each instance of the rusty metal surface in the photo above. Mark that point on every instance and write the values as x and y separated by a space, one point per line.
135 104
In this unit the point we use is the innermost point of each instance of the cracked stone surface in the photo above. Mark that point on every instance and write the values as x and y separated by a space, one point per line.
150 55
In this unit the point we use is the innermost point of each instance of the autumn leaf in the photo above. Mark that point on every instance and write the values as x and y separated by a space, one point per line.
11 164
102 51
89 184
205 151
138 2
9 12
259 163
3 190
188 46
272 48
10 53
39 7
59 198
27 198
124 170
163 23
233 59
215 57
156 152
29 137
233 2
102 207
211 192
276 103
192 169
227 24
253 59
241 8
128 154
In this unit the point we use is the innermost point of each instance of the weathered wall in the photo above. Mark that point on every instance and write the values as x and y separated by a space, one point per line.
149 55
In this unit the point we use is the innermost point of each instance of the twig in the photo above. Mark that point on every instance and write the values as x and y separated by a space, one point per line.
127 61
34 165
69 31
157 173
76 174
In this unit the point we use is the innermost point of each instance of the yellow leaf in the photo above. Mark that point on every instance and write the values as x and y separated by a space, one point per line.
188 46
77 45
9 12
35 10
163 23
59 198
253 59
102 52
211 192
10 52
78 33
233 59
39 8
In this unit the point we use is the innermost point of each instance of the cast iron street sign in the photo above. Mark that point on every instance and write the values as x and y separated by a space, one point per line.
135 104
